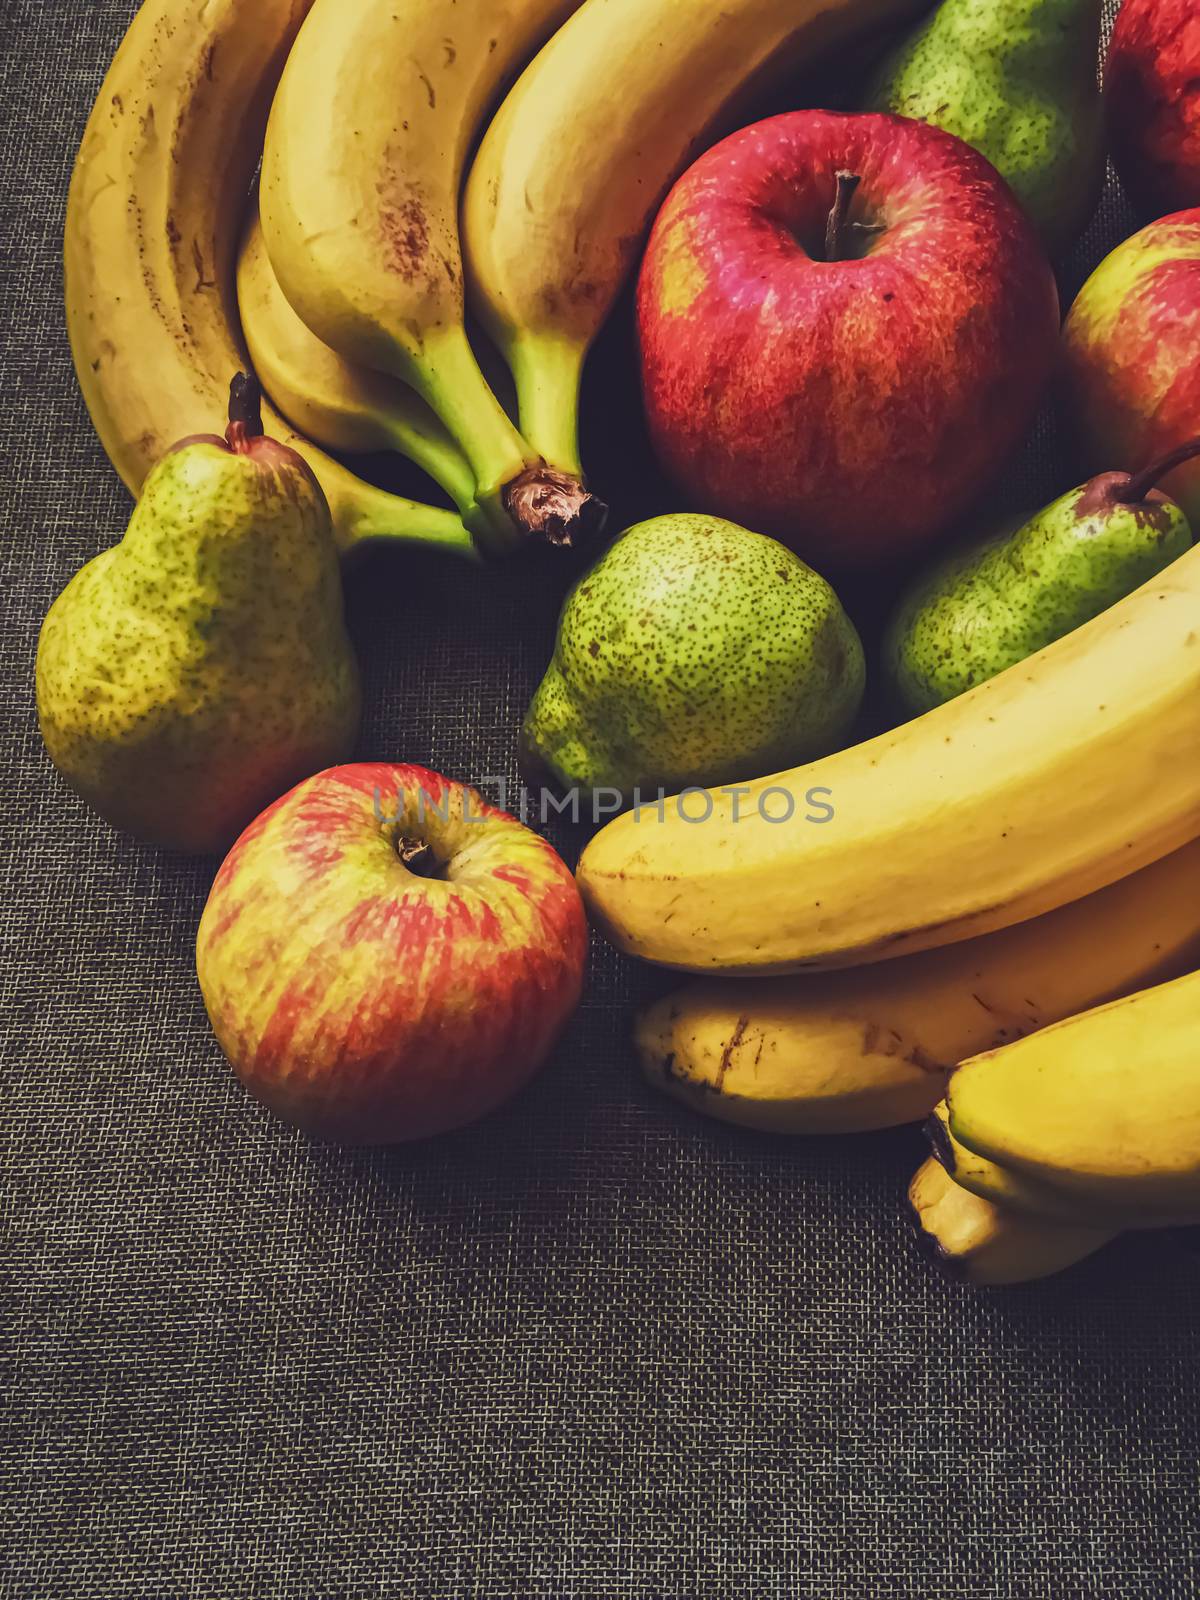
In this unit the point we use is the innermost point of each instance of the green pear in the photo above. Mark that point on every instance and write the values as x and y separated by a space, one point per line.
695 652
985 609
1018 80
194 672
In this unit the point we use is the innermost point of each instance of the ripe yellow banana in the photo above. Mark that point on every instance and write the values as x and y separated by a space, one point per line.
581 154
155 207
1059 776
341 406
1103 1108
873 1047
366 145
1017 1191
986 1244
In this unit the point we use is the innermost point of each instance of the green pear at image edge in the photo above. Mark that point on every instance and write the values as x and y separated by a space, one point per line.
983 610
1018 80
694 652
193 673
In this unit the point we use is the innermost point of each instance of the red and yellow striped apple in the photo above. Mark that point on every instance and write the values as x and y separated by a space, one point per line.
384 956
1152 95
1133 355
846 325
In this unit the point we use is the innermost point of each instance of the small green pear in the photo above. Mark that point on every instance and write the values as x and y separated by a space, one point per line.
194 672
1018 80
695 652
985 609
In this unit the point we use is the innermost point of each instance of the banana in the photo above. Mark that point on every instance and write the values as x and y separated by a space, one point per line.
366 145
874 1047
156 201
1103 1108
984 1243
1017 1191
1061 775
582 152
343 407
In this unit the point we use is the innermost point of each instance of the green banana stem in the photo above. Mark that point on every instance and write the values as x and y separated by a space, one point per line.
440 458
365 516
548 375
449 379
520 496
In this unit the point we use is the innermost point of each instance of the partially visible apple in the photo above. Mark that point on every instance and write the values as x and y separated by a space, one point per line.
1152 94
1133 355
384 956
847 323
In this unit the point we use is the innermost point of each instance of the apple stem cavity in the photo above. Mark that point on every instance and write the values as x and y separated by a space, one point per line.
835 228
245 413
418 856
1140 485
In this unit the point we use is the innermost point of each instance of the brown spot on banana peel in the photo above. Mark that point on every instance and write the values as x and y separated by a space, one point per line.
731 1044
878 1040
405 231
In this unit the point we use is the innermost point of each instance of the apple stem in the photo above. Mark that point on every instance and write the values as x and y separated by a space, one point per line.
1140 485
245 412
418 856
847 183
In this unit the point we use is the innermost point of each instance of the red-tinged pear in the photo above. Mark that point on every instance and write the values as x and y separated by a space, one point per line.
986 608
1132 383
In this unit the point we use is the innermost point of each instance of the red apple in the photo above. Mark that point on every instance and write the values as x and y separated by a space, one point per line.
384 956
1152 93
843 365
1133 355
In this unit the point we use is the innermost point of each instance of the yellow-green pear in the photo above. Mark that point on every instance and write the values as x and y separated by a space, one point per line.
193 673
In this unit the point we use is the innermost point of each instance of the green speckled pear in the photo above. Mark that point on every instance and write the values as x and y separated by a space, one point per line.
694 652
193 673
1018 80
983 610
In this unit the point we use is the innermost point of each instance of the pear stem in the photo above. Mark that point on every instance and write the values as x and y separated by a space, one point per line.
245 412
1141 484
847 183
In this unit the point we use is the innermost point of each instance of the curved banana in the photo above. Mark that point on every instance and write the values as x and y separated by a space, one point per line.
873 1047
343 407
1103 1108
582 152
984 1243
155 207
1017 1191
1061 775
368 137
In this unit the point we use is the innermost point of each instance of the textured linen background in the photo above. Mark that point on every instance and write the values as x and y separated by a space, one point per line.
595 1348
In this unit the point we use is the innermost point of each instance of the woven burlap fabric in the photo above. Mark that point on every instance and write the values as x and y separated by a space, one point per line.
592 1349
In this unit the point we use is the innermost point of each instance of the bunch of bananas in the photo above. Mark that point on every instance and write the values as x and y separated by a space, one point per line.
349 280
1028 850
